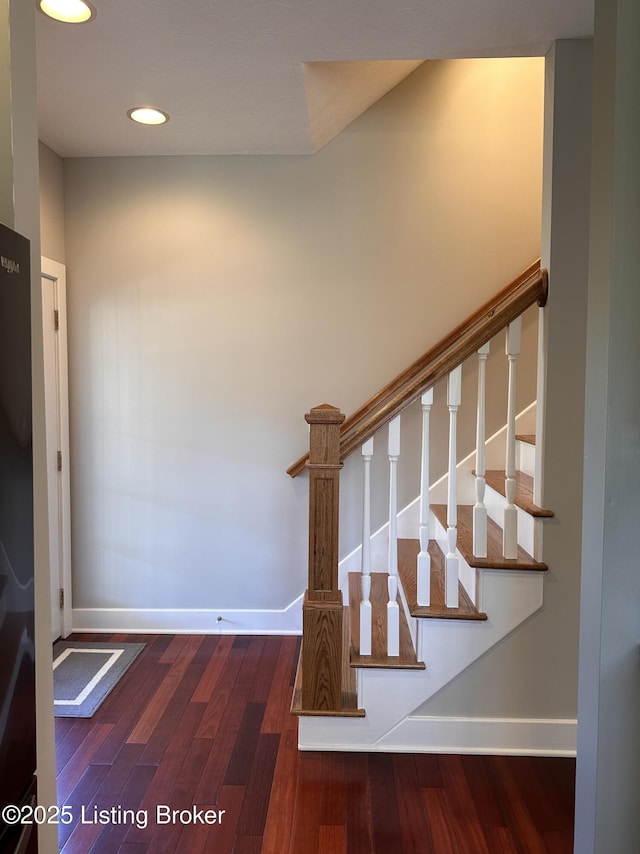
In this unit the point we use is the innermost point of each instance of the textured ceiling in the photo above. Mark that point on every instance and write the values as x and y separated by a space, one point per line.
261 76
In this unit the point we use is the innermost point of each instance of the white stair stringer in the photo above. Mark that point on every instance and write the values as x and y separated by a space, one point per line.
390 697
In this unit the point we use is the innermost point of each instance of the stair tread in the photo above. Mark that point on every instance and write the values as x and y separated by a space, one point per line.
529 438
524 491
407 567
494 559
349 689
407 660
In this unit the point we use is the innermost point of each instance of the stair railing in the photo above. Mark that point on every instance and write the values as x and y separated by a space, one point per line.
333 438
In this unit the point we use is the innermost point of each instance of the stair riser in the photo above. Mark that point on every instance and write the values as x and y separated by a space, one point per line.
526 524
411 621
526 458
466 574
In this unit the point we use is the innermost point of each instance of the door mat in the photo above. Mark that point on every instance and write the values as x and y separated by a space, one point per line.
85 673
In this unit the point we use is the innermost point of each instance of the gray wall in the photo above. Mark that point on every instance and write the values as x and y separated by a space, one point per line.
212 301
608 795
51 204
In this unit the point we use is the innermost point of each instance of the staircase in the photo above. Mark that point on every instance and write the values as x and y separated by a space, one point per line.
462 562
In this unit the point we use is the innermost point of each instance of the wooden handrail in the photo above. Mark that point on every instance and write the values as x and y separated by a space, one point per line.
529 287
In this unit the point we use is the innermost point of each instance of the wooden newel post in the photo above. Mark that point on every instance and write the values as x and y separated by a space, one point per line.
322 609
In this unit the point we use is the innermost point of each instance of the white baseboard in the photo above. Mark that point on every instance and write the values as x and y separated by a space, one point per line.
287 621
498 736
509 736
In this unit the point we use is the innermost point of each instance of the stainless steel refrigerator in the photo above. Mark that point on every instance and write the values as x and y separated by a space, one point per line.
17 649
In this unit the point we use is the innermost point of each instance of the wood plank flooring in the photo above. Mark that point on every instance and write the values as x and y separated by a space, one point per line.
204 721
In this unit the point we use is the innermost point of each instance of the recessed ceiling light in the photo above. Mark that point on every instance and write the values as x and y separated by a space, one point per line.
68 11
148 116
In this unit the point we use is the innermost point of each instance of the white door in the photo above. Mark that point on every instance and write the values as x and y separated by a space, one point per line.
54 322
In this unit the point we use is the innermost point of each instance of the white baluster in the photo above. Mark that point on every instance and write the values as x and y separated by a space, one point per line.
541 397
365 604
424 560
541 394
480 510
510 526
393 612
451 564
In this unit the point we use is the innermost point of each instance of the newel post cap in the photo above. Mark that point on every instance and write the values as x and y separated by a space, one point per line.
324 414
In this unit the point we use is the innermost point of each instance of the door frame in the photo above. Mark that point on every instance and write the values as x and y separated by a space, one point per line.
57 384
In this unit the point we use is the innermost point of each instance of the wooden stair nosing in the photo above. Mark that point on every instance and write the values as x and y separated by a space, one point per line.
349 689
528 438
407 567
524 491
407 660
494 559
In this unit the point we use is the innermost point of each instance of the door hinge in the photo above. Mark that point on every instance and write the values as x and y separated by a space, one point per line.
56 320
61 597
59 461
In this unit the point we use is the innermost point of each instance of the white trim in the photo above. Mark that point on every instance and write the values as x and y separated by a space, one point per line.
503 736
56 272
287 621
541 394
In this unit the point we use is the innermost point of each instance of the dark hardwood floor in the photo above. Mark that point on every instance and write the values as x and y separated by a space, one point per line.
203 721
